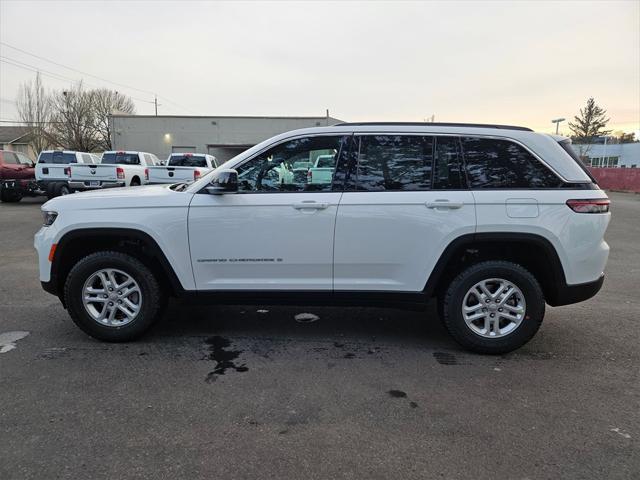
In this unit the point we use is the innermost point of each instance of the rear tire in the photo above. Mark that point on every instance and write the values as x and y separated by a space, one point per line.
482 319
63 189
119 327
9 196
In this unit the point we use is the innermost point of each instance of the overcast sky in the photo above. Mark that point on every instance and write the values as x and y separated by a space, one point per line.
516 62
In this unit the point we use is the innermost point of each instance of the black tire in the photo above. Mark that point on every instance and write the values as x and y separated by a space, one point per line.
135 182
152 299
52 190
453 301
9 196
63 189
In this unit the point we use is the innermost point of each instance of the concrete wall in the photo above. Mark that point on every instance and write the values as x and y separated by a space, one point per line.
623 179
225 136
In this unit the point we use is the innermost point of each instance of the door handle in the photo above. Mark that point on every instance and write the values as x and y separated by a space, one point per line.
310 205
444 204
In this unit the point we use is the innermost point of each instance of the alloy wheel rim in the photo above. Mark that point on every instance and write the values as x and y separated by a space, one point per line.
494 308
112 297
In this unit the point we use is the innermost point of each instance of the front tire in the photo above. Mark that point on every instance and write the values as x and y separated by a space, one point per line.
493 307
112 296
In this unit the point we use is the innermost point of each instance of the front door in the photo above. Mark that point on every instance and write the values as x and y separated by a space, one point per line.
276 233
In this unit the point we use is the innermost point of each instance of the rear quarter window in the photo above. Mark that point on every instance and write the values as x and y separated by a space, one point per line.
494 163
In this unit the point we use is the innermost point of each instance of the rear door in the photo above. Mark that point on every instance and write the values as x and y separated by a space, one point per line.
405 201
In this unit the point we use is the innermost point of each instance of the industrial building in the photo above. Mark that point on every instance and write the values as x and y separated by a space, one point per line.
223 137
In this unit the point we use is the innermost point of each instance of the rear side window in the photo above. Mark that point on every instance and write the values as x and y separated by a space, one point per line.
187 161
394 163
57 157
494 163
121 158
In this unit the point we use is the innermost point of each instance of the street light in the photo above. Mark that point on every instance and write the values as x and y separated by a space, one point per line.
557 122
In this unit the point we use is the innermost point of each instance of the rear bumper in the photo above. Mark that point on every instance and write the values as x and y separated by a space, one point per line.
77 185
568 294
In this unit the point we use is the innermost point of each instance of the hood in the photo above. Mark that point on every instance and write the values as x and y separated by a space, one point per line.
126 197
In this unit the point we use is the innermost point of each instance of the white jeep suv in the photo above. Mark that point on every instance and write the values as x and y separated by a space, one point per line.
493 221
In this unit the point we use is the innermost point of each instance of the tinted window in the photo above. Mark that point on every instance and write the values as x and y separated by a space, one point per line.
447 165
292 166
57 157
495 163
187 161
394 162
121 158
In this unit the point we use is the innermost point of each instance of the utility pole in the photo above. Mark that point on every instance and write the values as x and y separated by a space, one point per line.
155 101
327 117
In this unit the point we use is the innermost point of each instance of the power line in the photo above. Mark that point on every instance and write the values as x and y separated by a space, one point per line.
94 76
56 76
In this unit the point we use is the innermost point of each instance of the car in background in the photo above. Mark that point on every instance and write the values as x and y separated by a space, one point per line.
322 170
117 169
17 177
53 169
182 167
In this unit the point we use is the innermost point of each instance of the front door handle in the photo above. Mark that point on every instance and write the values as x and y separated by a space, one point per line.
444 204
310 205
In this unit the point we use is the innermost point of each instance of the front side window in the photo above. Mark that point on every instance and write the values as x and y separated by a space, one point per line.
495 163
394 163
300 165
10 158
23 159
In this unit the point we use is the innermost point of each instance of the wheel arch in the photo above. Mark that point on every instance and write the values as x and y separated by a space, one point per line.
534 252
76 244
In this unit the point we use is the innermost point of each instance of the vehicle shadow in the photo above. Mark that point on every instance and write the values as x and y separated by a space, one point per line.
333 324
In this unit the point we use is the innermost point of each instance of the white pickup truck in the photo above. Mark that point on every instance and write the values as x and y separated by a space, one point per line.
183 167
117 169
322 170
53 169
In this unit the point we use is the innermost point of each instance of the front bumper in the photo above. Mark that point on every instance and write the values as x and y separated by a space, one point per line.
568 294
91 185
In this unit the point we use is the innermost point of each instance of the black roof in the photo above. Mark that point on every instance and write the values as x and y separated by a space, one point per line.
434 124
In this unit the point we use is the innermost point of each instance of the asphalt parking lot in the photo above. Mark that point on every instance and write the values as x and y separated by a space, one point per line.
251 392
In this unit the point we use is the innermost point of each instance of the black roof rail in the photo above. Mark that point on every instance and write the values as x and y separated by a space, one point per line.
434 124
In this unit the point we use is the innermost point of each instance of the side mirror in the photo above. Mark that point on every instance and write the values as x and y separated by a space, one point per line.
225 181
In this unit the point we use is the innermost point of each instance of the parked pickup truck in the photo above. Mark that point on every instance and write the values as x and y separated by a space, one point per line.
117 169
17 178
183 167
322 171
52 169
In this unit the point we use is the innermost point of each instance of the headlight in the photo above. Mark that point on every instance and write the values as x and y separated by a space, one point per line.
49 218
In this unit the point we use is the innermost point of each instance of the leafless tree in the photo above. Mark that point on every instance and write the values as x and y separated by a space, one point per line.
34 110
105 103
73 123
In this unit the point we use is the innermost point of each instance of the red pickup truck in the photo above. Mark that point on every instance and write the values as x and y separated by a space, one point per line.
17 177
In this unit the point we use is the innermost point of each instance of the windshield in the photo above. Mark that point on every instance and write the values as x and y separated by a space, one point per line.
57 157
121 158
187 161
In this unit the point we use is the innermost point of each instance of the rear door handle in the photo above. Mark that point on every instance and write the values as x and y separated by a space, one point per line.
444 204
310 205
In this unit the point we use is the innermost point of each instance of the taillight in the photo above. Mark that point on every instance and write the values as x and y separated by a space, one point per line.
196 175
146 174
120 173
595 205
67 171
309 176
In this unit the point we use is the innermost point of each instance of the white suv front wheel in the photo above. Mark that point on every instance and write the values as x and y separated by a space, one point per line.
493 307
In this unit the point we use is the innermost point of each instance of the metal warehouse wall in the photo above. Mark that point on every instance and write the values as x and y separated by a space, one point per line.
221 136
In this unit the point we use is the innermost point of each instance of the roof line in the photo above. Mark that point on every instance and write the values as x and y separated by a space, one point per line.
435 124
119 115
